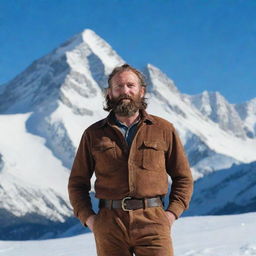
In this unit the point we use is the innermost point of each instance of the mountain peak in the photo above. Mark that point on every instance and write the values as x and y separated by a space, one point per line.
219 110
83 62
213 94
94 43
157 79
88 33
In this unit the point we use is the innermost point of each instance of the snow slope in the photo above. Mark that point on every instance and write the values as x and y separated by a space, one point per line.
232 235
33 185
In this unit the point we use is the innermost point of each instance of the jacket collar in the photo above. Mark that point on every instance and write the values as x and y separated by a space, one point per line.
145 117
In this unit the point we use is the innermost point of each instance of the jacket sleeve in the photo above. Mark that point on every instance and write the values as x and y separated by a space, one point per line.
79 183
182 180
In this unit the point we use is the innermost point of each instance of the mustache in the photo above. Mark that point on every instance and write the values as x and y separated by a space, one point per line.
115 102
124 97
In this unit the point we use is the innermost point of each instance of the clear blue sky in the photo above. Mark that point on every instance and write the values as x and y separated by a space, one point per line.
200 44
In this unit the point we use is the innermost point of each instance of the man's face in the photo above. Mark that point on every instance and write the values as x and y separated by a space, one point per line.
126 93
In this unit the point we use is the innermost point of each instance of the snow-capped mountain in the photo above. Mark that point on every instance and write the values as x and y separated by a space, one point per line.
214 106
45 109
209 146
227 191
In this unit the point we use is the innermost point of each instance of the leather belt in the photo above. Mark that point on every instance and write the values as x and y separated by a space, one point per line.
130 203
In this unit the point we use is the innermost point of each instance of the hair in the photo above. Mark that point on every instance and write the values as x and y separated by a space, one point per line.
127 67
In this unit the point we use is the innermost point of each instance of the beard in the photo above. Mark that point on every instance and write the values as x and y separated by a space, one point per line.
125 105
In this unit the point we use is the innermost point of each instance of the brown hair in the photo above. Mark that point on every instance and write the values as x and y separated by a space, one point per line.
127 67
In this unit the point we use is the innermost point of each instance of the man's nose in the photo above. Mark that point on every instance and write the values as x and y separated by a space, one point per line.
125 89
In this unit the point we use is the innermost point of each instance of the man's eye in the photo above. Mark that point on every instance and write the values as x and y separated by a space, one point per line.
130 85
117 86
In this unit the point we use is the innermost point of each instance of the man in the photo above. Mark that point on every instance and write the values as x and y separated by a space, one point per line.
132 153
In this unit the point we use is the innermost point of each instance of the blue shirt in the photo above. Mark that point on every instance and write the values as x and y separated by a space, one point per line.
128 132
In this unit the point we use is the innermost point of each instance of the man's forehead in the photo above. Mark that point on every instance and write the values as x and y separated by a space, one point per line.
125 75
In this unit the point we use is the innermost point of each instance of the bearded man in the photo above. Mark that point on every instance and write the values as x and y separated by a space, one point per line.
132 153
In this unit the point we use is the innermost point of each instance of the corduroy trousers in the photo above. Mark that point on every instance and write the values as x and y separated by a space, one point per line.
141 232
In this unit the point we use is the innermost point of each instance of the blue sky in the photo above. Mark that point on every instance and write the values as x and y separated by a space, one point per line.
200 44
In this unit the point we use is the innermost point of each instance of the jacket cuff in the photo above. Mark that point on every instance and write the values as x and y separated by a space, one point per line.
176 209
84 214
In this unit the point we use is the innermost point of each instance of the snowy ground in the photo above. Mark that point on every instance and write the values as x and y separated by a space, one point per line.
229 235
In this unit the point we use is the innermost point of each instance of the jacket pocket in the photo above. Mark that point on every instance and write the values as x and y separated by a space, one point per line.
103 146
104 154
153 155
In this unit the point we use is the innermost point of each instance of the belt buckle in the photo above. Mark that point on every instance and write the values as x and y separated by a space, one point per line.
123 204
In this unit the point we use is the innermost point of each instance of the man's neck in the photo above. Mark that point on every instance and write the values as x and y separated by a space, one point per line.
128 121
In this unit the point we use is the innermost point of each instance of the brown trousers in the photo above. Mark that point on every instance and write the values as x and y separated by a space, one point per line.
144 232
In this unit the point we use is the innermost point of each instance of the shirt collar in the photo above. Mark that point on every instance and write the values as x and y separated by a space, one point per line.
145 117
120 124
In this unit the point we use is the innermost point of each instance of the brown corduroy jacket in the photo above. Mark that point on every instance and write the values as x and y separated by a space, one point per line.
139 171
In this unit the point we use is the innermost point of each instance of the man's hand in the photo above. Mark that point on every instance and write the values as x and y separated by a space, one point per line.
171 217
90 221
